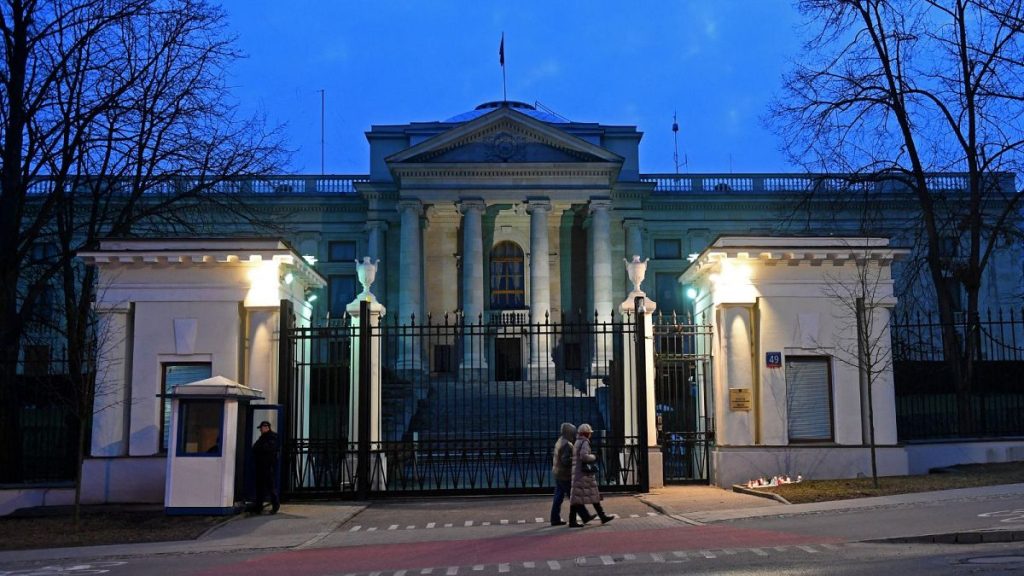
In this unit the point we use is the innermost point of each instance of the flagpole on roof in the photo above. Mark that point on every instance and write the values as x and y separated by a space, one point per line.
501 60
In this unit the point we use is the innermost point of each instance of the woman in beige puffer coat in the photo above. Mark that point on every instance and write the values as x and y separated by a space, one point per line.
584 486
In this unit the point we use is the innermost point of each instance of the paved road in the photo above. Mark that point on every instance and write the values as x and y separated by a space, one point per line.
654 534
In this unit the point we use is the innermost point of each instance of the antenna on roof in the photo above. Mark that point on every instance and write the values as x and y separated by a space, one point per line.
675 140
537 104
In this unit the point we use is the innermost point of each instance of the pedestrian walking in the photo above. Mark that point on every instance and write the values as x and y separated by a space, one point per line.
265 452
584 482
561 470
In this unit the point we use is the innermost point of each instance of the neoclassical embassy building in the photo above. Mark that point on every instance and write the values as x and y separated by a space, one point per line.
459 210
508 214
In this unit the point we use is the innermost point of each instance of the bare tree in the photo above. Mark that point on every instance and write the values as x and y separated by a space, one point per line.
895 92
116 122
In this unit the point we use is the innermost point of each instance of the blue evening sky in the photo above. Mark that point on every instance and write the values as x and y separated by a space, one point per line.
716 63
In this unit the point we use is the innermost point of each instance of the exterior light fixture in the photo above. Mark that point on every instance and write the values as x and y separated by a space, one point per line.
288 278
691 293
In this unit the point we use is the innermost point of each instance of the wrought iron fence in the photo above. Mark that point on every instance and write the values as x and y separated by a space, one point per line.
931 404
43 427
464 406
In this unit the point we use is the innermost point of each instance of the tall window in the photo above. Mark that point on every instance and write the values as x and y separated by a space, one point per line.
808 399
341 251
341 290
176 374
508 290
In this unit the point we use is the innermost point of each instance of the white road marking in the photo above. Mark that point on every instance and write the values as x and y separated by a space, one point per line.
468 523
607 560
504 567
426 571
371 529
708 554
629 556
520 521
657 557
393 527
400 573
478 567
758 551
448 525
728 551
554 565
529 564
431 524
486 524
410 527
829 546
539 520
504 522
452 570
355 529
680 554
808 549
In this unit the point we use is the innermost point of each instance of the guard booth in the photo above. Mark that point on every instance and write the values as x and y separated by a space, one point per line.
208 446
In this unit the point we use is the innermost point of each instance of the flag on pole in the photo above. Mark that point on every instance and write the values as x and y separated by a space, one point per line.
501 50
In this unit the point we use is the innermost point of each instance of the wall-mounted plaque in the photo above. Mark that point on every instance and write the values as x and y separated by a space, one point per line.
740 400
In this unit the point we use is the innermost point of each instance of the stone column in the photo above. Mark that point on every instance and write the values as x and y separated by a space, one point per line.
634 239
474 353
601 280
375 230
112 403
410 281
540 283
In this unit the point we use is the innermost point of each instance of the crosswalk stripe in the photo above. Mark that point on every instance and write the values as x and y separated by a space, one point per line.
680 554
452 570
629 556
355 529
728 551
607 560
758 552
554 565
504 522
529 564
708 554
400 573
539 520
431 524
478 567
808 549
504 567
468 523
426 571
374 573
393 527
371 529
410 527
657 557
448 525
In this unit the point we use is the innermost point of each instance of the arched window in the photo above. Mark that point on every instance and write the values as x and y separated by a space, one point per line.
508 290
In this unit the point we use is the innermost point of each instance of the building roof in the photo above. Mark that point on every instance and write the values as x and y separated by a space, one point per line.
521 107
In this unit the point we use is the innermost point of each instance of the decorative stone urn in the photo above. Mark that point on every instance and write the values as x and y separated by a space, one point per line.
636 269
366 271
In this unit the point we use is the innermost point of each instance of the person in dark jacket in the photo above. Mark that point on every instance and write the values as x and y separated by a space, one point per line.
561 470
265 465
584 483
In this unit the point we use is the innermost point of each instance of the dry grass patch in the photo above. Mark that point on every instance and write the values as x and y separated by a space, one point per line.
55 527
965 476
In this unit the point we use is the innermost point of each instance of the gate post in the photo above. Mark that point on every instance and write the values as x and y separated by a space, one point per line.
364 406
639 386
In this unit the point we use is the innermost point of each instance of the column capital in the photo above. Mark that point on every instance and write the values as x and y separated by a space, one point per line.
464 205
375 225
633 224
600 204
538 205
411 204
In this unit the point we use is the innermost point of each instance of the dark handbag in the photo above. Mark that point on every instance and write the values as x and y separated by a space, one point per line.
590 467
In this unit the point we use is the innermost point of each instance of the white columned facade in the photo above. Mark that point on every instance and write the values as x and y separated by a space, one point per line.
110 406
473 354
540 282
410 283
601 279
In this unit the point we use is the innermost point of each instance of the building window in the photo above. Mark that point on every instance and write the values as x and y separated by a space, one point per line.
667 250
341 291
808 399
508 290
200 426
669 293
341 251
176 374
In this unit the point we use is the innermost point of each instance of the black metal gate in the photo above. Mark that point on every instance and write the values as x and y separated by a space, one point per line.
463 406
685 420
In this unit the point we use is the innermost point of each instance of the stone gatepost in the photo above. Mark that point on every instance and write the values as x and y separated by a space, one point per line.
632 386
366 271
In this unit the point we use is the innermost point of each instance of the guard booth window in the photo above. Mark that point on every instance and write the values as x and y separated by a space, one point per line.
808 399
176 374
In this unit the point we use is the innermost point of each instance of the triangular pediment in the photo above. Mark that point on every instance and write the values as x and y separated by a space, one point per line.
504 136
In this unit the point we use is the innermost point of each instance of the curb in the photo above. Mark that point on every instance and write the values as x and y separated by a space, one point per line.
752 492
983 537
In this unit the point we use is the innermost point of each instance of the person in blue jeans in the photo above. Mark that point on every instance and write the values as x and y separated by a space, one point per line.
561 470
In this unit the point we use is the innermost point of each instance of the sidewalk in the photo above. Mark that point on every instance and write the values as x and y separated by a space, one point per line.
304 525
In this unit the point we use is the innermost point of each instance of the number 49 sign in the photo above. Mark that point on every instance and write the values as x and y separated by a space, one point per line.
773 359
